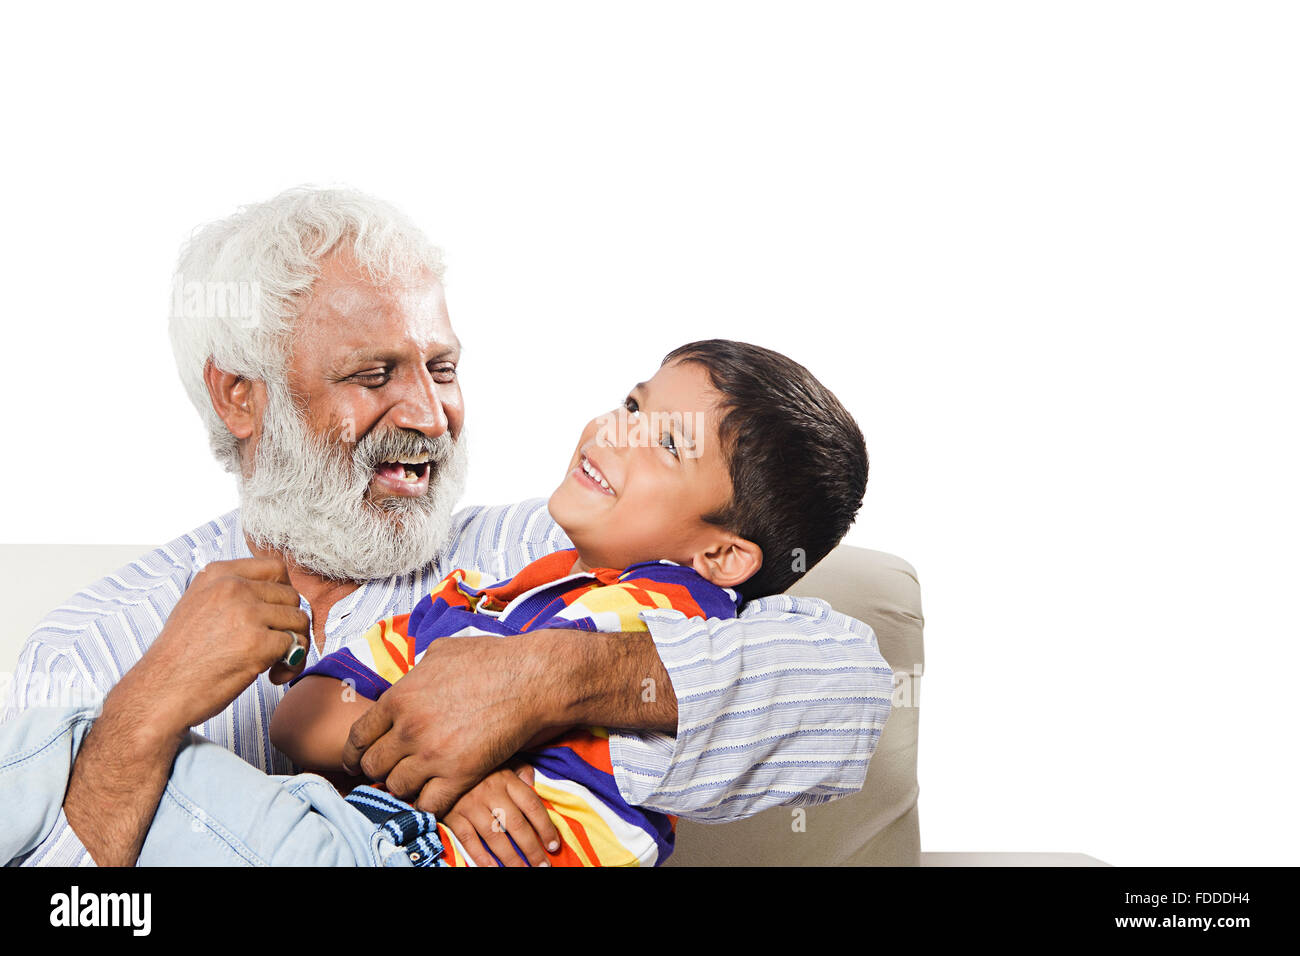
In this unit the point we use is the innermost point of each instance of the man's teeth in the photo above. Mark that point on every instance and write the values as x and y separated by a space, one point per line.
406 470
595 476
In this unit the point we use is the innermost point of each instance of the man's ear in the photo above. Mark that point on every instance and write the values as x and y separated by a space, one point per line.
729 562
234 398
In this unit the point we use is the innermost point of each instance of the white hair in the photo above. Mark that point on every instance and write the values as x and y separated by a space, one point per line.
242 281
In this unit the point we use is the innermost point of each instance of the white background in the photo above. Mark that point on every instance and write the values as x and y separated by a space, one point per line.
1045 252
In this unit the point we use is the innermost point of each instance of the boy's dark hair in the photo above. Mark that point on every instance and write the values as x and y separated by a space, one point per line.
797 460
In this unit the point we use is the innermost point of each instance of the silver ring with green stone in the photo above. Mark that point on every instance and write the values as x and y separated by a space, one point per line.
295 654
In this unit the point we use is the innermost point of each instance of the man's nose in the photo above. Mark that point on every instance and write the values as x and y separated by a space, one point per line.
420 407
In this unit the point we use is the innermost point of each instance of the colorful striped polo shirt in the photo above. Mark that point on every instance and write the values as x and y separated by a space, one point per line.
573 773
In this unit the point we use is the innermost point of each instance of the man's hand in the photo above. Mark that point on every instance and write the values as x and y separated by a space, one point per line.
467 706
232 623
504 807
473 702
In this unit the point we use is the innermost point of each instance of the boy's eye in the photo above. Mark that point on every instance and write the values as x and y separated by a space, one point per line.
632 407
667 442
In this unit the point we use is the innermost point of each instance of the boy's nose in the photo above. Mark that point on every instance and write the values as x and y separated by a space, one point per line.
611 429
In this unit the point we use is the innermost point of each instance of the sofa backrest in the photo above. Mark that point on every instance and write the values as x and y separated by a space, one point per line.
879 826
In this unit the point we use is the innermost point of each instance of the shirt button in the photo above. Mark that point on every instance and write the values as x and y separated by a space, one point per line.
415 857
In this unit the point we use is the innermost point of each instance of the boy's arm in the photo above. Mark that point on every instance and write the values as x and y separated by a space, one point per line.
311 723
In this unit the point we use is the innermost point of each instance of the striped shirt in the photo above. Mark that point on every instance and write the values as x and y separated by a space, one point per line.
783 705
573 775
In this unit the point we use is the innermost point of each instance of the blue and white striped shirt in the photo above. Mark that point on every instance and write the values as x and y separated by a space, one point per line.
783 705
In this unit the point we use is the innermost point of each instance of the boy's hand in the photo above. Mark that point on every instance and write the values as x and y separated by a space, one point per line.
502 807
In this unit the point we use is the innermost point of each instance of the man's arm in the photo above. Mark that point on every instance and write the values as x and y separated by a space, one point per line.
784 704
781 706
118 777
231 624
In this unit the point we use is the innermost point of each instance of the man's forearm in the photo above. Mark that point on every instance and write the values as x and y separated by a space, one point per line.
118 778
613 680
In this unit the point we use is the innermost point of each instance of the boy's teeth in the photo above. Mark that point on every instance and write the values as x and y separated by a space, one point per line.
594 475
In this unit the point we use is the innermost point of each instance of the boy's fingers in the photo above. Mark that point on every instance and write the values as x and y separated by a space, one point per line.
521 831
534 809
482 838
498 839
468 838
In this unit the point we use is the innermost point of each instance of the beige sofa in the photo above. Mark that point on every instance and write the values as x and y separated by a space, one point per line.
878 826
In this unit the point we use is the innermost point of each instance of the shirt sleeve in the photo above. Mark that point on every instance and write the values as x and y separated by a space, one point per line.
51 677
781 706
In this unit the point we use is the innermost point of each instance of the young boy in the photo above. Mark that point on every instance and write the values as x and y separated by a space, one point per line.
722 478
729 460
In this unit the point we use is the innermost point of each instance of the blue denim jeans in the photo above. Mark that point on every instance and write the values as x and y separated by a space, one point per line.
217 810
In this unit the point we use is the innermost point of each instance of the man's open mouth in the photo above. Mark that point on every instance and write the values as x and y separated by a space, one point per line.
403 470
412 471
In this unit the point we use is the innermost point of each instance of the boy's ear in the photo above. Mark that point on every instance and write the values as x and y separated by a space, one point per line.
730 562
232 399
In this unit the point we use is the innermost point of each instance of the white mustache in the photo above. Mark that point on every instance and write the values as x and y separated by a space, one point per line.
309 498
398 445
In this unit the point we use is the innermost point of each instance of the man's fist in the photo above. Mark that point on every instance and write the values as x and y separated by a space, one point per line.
234 621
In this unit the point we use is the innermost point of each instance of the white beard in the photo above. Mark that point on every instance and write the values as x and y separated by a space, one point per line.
308 498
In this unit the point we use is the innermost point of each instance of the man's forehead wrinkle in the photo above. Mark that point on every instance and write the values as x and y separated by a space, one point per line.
359 315
395 352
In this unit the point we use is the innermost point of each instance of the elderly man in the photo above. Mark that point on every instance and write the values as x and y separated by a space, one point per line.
335 402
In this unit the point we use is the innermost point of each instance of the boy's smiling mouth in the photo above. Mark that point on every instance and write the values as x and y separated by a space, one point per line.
588 472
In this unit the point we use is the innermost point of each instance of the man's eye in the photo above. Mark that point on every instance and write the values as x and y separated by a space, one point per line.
371 379
444 374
